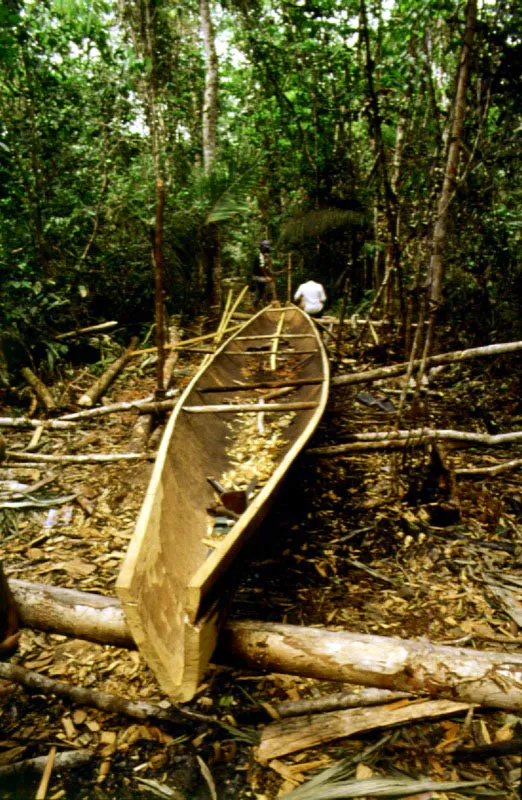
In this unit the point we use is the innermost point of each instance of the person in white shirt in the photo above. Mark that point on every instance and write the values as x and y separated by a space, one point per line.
311 297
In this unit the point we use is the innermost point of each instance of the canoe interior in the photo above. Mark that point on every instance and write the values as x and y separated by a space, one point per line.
176 570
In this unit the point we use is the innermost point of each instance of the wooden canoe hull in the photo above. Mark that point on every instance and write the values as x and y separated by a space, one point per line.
173 585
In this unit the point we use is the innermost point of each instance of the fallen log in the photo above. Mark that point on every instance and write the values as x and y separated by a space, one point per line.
41 391
112 408
415 437
27 422
111 703
443 358
497 469
416 666
337 702
68 760
83 615
92 458
99 387
103 326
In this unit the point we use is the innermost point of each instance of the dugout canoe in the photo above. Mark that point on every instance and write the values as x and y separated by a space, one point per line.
229 442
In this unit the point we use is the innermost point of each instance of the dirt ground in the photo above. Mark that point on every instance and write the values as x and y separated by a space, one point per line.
368 542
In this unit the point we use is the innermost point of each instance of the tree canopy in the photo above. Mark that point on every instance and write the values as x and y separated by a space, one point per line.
323 126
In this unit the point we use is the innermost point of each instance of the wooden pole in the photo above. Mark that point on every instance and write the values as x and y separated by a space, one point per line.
159 299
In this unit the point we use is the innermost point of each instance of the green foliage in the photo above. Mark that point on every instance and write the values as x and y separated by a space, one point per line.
297 155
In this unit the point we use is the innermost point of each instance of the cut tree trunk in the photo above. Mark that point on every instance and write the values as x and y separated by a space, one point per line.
102 384
456 673
80 614
90 329
41 391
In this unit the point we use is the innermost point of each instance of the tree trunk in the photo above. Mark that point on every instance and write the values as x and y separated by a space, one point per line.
436 266
210 111
471 676
159 298
393 257
212 256
443 358
8 618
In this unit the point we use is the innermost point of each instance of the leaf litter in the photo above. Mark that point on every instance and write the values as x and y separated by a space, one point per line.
342 549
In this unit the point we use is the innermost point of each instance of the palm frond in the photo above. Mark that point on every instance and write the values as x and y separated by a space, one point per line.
318 223
331 785
230 195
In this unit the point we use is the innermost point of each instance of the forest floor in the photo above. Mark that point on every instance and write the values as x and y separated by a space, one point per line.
353 544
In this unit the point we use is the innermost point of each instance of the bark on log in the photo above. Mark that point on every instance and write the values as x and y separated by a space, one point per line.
27 422
99 387
417 436
472 472
69 760
147 403
471 676
443 358
338 701
42 392
93 458
80 614
111 703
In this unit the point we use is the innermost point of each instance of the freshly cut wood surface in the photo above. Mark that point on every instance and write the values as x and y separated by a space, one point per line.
290 735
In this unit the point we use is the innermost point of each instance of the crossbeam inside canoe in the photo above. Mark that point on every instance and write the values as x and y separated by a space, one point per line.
275 336
262 385
267 352
247 408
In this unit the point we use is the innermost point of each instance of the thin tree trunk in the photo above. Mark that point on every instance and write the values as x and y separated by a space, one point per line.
212 256
390 199
436 267
442 358
210 112
41 391
159 298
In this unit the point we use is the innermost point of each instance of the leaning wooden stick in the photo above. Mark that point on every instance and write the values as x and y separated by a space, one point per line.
102 384
90 329
444 358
